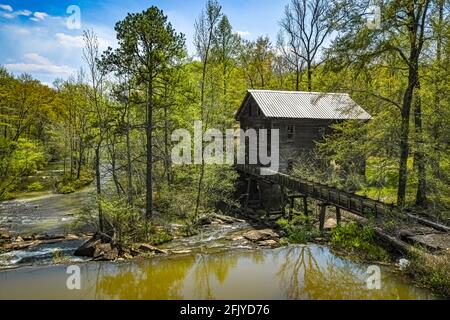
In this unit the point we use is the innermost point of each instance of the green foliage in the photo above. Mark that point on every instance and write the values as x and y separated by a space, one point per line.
128 225
361 240
23 158
299 230
432 272
69 184
35 186
160 237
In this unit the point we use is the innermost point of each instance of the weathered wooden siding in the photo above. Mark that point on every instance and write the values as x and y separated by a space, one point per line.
306 131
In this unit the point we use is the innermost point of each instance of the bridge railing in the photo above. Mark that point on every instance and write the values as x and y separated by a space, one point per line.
351 202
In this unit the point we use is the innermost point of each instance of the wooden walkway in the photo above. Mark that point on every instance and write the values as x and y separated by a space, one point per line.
331 196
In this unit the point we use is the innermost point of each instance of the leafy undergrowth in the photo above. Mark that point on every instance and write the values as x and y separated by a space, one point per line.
431 272
359 241
299 230
69 184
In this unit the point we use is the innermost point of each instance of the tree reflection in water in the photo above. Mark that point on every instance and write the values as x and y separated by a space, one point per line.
160 279
293 272
307 274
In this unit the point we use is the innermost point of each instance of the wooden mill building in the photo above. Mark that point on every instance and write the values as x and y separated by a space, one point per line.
302 117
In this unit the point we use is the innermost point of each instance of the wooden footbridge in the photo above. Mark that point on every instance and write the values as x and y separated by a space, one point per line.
327 196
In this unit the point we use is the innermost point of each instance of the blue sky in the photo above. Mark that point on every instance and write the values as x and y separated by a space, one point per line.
35 38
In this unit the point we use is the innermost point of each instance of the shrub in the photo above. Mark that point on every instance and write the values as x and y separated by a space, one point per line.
299 230
431 271
35 186
160 237
68 184
360 240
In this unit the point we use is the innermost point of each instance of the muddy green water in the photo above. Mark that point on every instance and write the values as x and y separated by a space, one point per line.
295 272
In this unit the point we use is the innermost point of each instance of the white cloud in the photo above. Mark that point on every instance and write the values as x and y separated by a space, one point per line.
39 16
69 41
6 7
36 58
25 13
7 15
34 63
243 33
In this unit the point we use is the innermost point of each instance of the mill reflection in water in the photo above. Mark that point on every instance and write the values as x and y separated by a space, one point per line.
294 272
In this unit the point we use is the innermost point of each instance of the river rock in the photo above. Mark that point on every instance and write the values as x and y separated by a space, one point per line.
41 237
147 248
268 243
105 252
225 219
72 237
102 249
261 235
5 234
330 224
87 249
204 220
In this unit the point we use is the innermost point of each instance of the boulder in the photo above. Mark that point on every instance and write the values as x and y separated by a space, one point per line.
72 237
106 253
268 243
330 224
41 237
87 249
204 220
261 235
225 219
101 249
5 234
147 248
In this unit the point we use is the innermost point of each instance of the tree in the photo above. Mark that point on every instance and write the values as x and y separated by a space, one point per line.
400 38
290 52
307 24
203 40
91 57
149 40
225 49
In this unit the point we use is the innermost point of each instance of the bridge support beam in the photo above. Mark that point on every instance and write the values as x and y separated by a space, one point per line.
305 205
338 216
323 211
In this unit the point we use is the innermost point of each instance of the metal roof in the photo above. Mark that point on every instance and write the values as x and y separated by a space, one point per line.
308 105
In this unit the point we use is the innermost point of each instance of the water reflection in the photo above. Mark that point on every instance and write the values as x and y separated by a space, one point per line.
156 279
295 272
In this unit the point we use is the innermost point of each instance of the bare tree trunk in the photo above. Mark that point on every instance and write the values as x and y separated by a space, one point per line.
309 71
404 139
416 18
129 166
419 156
80 160
98 187
202 167
149 125
166 148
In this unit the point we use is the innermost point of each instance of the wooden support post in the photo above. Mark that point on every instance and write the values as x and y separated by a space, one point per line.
249 185
291 209
305 205
338 216
285 200
323 211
